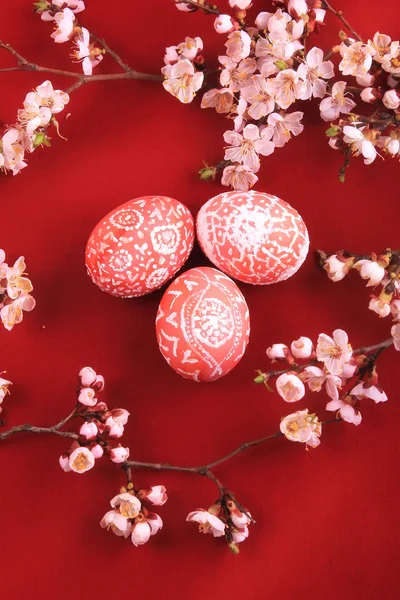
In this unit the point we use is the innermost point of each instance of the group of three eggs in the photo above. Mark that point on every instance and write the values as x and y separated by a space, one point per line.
202 323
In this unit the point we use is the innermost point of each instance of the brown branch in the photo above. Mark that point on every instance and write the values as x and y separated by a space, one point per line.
112 53
55 429
204 6
339 15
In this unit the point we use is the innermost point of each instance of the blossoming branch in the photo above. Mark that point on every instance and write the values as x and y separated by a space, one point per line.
15 295
267 68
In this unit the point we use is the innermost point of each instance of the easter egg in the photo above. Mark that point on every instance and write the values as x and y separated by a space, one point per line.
139 246
203 324
253 237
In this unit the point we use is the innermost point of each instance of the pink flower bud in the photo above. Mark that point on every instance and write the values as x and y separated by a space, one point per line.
370 269
87 397
64 463
381 308
391 99
89 430
368 95
302 348
392 81
185 7
98 385
97 451
337 268
223 24
240 535
262 19
242 4
155 523
297 8
119 454
120 415
365 80
115 429
277 351
141 533
240 519
157 495
289 387
87 376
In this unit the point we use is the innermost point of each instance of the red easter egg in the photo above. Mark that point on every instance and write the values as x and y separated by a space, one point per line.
254 237
203 324
139 246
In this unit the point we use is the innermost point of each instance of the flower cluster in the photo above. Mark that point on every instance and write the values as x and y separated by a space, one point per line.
225 518
184 64
30 131
331 364
100 430
266 69
130 517
66 28
15 291
4 385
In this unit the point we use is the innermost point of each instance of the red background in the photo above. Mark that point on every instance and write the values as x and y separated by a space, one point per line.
327 520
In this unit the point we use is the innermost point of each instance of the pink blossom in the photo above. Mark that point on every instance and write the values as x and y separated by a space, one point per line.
336 103
208 523
279 20
366 80
33 115
262 19
290 387
13 152
89 430
13 313
287 87
281 128
182 81
81 460
313 71
157 495
65 22
119 454
117 523
120 416
55 100
17 284
171 55
236 75
371 270
391 99
128 505
190 47
363 391
97 451
359 144
302 427
240 519
242 4
76 6
297 8
224 24
184 7
381 308
336 268
240 120
277 351
240 534
316 377
4 384
239 177
115 430
86 53
87 397
383 47
64 463
395 333
395 309
246 148
334 352
141 533
357 59
368 95
346 411
87 376
155 522
238 45
302 348
389 144
220 99
258 95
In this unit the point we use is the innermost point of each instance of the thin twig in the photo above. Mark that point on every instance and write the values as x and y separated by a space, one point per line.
33 429
339 15
207 8
112 53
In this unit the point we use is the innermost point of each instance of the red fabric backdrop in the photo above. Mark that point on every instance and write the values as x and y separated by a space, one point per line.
327 520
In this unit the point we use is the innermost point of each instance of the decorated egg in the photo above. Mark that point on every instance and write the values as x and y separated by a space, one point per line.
254 237
139 246
203 324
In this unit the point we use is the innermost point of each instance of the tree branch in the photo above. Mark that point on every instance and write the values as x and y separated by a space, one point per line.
204 6
339 15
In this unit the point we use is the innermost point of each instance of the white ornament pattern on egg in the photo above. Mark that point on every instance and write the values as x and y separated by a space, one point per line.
252 236
203 324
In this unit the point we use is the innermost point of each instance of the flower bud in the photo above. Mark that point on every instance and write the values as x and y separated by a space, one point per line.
332 131
88 431
224 24
208 173
97 451
391 99
302 348
87 376
119 454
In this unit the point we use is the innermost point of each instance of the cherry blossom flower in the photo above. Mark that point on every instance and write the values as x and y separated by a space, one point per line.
277 351
239 177
182 81
346 411
224 24
12 314
391 62
246 148
313 72
336 103
316 378
236 75
297 8
141 533
338 267
367 80
220 99
208 523
17 285
371 270
55 100
171 55
287 87
117 523
395 333
359 144
239 518
357 59
278 20
238 45
81 460
87 397
33 115
155 522
258 95
157 495
242 4
240 534
302 348
89 430
65 22
262 19
128 505
87 376
281 128
334 352
119 454
290 387
240 120
13 152
184 7
86 52
381 308
190 47
4 385
119 415
391 99
382 46
76 6
302 427
364 391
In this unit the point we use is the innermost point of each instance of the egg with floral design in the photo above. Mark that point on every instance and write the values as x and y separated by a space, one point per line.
203 324
139 246
252 236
